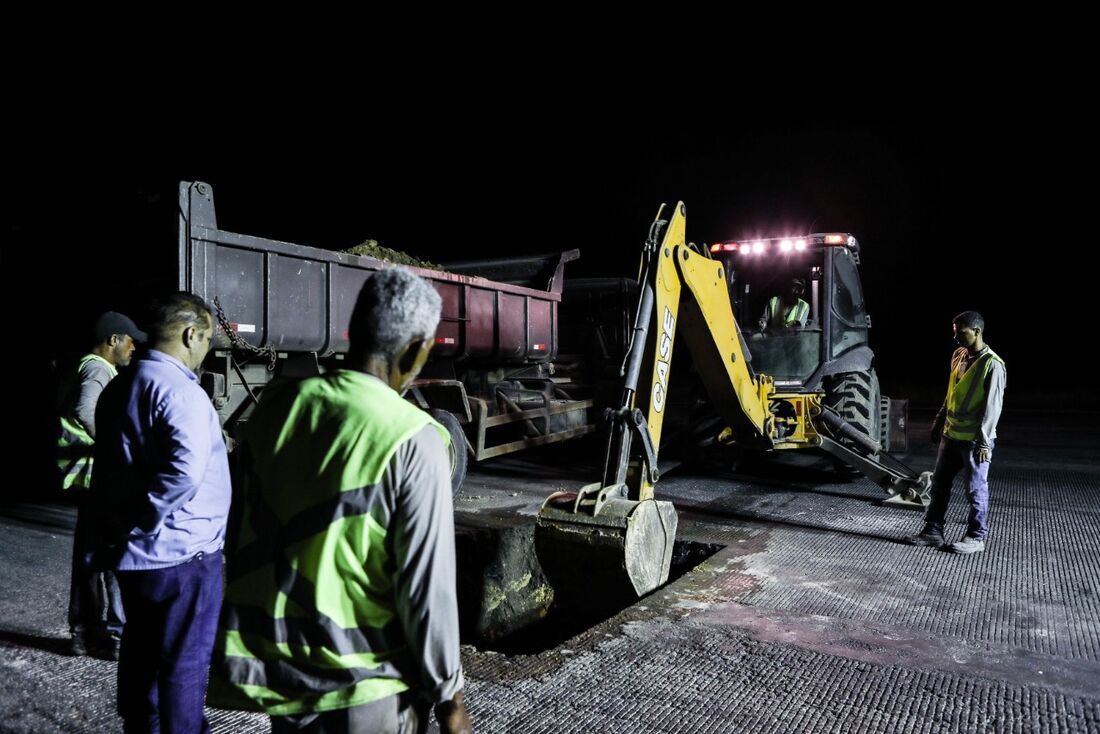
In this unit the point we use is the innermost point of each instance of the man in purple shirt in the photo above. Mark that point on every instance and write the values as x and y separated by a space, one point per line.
162 483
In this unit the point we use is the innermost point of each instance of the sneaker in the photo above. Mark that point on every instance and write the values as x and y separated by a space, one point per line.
928 537
968 545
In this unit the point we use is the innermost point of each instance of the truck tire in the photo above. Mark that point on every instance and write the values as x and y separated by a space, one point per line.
456 451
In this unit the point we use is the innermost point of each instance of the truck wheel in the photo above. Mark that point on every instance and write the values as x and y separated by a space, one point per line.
456 450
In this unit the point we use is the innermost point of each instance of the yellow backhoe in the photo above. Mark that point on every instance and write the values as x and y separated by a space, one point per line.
614 535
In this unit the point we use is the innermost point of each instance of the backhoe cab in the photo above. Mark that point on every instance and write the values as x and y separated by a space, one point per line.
800 303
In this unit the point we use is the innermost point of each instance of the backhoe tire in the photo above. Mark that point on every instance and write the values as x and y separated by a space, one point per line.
855 396
884 422
456 451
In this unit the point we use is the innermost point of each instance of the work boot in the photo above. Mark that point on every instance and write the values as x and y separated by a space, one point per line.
107 649
968 545
930 537
77 645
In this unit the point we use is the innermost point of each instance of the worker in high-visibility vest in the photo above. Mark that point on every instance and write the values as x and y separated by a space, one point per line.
787 312
93 595
340 608
966 430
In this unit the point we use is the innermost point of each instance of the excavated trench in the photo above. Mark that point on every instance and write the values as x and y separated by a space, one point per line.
507 605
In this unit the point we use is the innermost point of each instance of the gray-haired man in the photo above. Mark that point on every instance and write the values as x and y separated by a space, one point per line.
340 612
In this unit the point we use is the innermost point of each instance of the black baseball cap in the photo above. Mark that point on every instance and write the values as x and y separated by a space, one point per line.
113 322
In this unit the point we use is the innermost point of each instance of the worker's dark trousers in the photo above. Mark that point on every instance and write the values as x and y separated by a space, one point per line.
92 594
171 618
956 456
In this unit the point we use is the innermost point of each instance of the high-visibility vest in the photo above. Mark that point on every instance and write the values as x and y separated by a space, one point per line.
309 621
798 312
966 394
74 444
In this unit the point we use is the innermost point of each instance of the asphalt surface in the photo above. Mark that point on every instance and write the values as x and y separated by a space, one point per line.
811 616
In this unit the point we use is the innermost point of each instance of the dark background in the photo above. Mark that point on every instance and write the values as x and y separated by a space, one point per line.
992 212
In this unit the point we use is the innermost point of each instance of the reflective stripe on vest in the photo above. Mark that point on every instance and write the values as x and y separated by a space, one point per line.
74 444
310 621
966 395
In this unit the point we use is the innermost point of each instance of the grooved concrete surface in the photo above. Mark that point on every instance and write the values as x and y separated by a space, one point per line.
812 618
816 618
42 689
690 676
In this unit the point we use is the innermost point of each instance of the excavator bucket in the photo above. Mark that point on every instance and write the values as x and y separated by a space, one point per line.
621 551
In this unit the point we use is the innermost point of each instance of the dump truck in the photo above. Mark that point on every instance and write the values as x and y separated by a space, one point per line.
616 529
283 311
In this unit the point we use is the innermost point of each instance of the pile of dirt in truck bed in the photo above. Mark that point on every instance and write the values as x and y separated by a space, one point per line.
371 248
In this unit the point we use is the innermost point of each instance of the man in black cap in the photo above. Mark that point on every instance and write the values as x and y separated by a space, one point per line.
91 594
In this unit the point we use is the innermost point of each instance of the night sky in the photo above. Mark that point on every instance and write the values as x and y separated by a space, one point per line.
985 213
